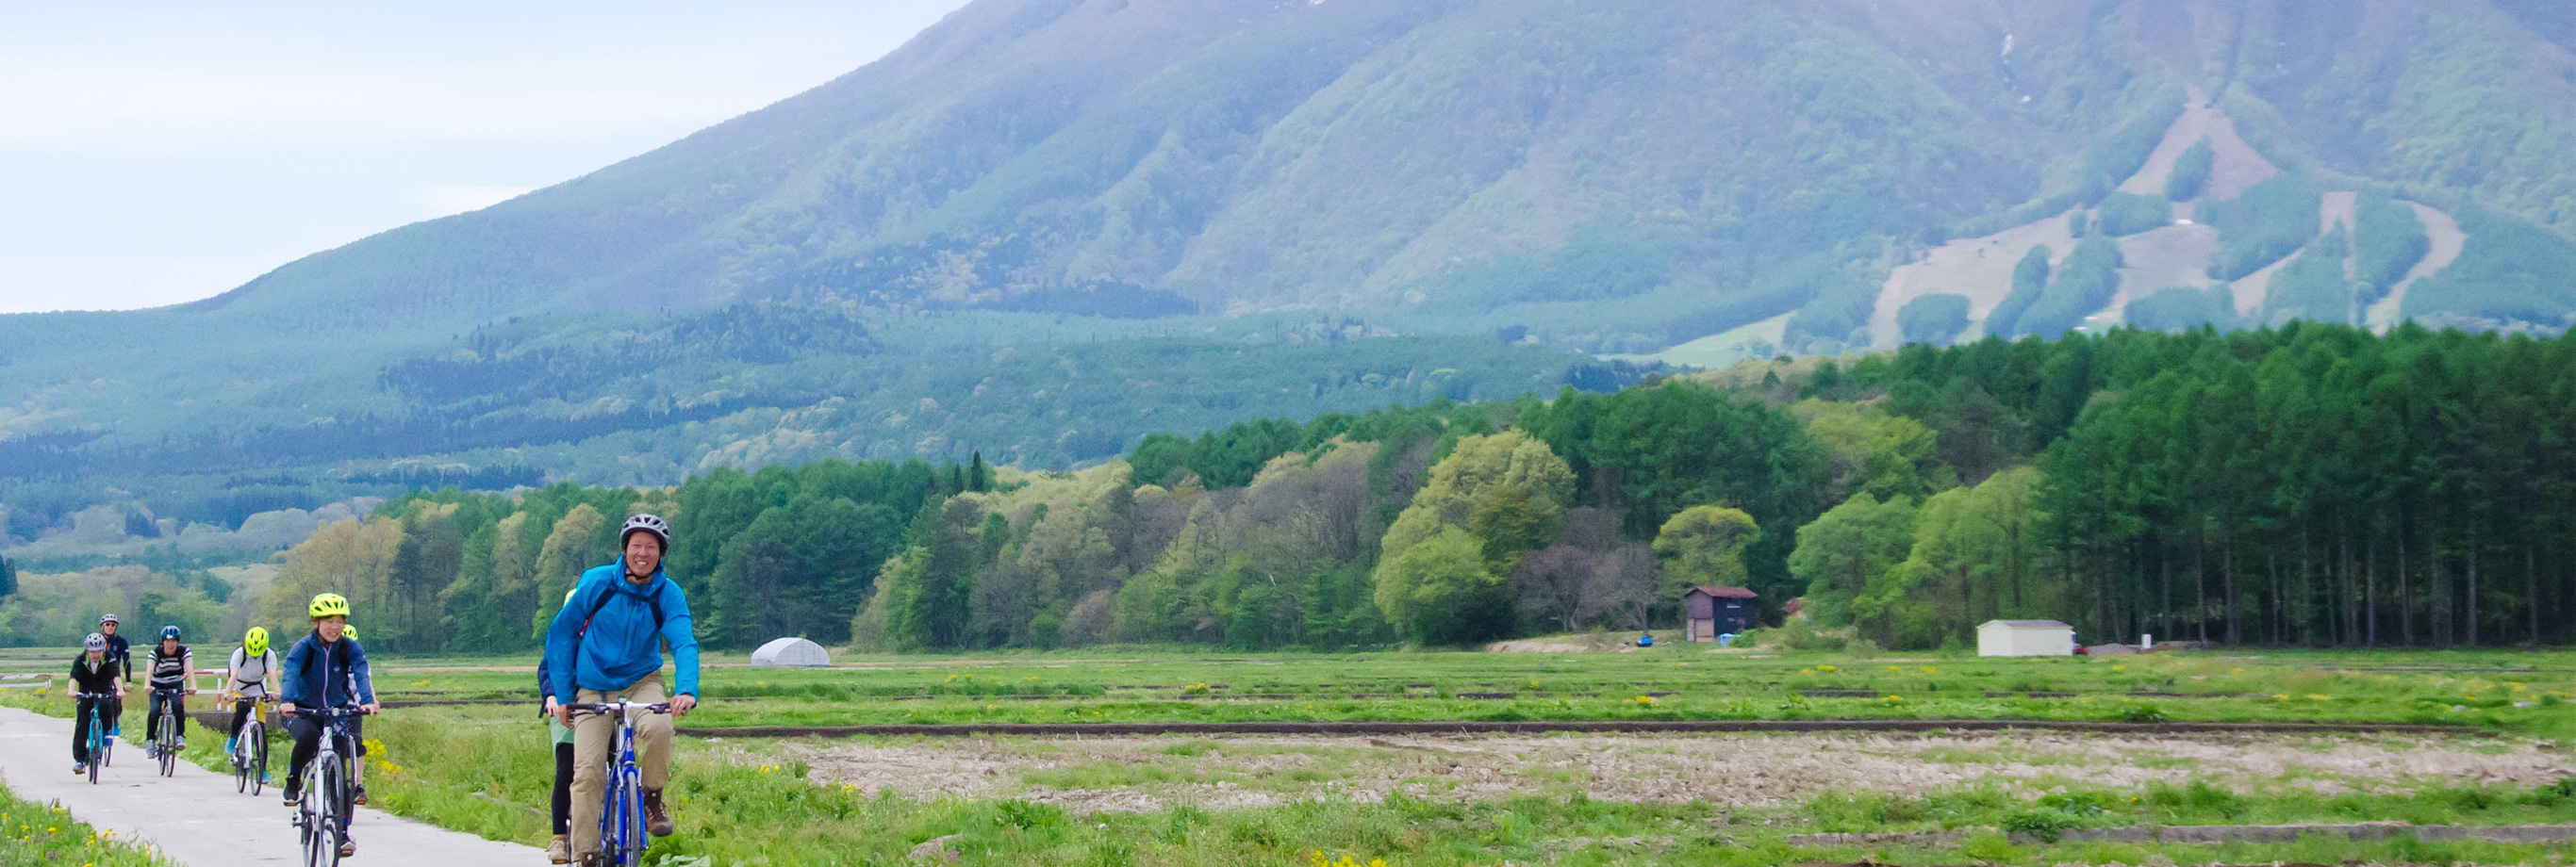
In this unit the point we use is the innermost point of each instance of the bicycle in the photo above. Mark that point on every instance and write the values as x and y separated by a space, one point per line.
99 743
621 810
165 741
322 812
250 750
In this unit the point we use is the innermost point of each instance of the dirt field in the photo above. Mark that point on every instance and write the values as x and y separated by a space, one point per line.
1138 774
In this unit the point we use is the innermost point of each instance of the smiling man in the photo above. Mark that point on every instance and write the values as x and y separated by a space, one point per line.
604 646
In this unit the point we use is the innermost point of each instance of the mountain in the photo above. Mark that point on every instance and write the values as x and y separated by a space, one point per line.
1332 187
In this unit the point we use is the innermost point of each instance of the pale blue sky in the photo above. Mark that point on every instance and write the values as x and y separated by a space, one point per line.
155 153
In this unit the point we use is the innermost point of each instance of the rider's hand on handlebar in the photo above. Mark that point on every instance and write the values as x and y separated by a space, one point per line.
286 707
563 714
370 708
680 704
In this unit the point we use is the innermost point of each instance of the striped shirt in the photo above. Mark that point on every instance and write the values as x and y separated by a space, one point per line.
170 670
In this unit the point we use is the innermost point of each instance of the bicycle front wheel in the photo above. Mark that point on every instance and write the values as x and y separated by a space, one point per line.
631 837
329 806
97 747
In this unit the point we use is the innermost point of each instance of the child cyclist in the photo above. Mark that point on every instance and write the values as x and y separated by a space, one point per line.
250 675
93 672
170 664
322 670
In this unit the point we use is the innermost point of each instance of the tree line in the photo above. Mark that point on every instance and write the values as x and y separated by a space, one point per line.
2300 485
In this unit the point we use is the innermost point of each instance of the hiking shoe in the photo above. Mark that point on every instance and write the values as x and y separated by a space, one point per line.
361 795
559 851
294 793
657 821
348 848
79 769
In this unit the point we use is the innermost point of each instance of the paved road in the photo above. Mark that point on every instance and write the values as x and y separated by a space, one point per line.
196 817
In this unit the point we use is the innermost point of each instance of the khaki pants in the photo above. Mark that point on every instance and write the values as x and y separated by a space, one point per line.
594 735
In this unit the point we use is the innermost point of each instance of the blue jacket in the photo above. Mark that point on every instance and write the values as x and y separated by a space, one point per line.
620 646
314 670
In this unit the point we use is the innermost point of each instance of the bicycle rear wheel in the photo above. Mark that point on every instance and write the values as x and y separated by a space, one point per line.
259 753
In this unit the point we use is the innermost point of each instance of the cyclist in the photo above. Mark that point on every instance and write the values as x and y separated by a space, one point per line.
119 653
559 850
94 672
358 727
250 675
321 670
603 646
170 664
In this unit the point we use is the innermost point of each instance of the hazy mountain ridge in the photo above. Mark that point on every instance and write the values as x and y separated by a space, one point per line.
1613 177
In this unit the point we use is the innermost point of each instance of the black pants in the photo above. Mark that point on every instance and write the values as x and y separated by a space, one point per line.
308 740
563 789
241 712
152 723
108 710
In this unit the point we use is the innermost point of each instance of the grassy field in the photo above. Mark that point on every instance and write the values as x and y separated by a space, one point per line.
1525 799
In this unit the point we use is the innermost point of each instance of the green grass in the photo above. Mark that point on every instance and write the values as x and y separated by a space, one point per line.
33 834
483 768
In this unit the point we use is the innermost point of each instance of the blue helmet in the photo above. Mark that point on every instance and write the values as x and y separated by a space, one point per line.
170 633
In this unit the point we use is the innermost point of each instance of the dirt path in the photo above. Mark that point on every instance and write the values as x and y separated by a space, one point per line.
197 819
1135 774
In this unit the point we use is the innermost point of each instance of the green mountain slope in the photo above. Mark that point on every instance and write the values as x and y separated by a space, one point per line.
1612 177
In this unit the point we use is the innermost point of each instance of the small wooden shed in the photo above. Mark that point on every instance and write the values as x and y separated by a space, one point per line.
2025 638
1708 612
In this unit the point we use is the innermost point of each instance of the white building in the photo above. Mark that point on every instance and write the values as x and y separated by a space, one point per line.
790 652
2025 638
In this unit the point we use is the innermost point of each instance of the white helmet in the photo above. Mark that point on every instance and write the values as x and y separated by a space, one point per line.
653 524
94 642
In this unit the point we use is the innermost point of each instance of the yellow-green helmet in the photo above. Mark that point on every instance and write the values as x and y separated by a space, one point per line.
256 640
349 632
328 605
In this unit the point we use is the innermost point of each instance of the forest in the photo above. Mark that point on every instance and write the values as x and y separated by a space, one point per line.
2303 485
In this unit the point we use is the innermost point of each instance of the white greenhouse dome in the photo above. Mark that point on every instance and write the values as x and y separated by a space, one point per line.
790 652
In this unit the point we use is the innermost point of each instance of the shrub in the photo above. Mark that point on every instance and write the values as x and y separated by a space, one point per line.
2312 287
2190 175
2085 284
2268 221
1934 318
2030 278
2387 240
2125 214
2181 308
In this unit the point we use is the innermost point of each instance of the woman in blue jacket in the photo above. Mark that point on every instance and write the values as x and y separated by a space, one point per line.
324 669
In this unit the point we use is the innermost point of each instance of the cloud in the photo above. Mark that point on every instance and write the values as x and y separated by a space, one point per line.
454 199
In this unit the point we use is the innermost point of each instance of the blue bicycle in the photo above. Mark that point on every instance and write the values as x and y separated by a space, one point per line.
100 745
622 837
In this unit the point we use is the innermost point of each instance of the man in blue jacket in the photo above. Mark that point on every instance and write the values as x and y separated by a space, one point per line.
604 647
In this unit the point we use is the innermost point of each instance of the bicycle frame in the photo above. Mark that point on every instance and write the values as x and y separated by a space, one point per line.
98 740
322 814
621 810
173 703
250 749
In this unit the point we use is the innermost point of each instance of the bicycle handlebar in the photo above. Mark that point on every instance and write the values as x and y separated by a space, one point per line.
328 712
93 695
618 706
